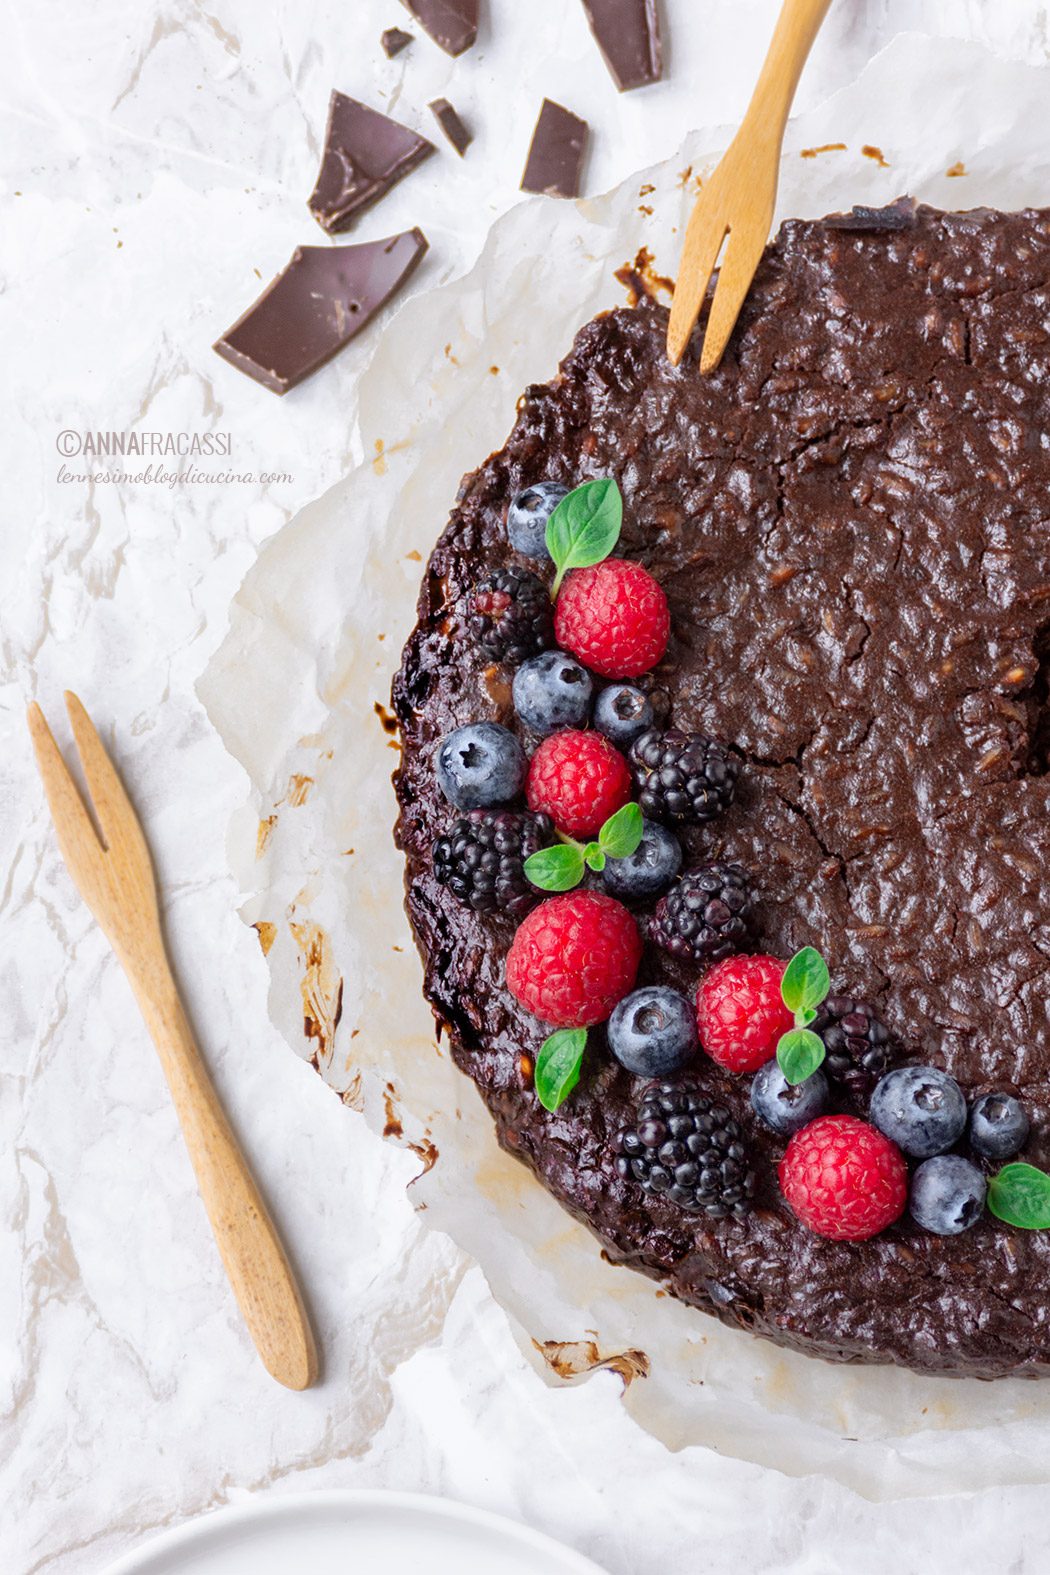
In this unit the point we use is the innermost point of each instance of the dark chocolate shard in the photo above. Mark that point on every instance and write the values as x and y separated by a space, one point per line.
897 215
556 153
315 306
457 133
365 153
628 34
453 24
394 40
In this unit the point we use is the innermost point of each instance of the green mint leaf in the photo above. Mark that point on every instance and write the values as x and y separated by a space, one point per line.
555 869
1020 1195
558 1066
584 527
594 857
799 1053
622 832
806 981
806 1016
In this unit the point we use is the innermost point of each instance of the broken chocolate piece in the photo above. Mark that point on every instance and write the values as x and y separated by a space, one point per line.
556 153
365 153
457 133
394 40
453 24
897 215
315 306
628 34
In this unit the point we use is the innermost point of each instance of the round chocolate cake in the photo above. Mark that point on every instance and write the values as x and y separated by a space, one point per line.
850 521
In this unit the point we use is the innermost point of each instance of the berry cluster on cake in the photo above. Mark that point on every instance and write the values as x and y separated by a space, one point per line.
724 793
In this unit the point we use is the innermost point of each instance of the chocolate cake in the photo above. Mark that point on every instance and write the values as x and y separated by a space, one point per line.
851 522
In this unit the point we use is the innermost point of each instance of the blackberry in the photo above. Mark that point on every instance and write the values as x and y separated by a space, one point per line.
511 615
481 858
706 915
682 776
688 1148
856 1041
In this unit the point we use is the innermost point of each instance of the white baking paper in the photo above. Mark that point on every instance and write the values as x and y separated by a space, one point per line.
299 691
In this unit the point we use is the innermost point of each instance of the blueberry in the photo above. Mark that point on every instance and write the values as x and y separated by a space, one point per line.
480 764
623 713
947 1194
998 1125
552 691
787 1107
647 871
653 1032
528 515
920 1108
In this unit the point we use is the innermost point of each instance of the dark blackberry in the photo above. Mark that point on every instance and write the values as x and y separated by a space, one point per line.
687 1148
481 859
856 1041
511 615
682 776
706 915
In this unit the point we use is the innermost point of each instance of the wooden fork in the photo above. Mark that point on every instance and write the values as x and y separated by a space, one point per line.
740 197
114 874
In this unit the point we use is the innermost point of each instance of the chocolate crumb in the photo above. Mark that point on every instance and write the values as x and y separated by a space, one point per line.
394 40
897 215
457 133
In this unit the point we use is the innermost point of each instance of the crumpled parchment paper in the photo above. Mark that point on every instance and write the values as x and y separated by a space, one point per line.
299 693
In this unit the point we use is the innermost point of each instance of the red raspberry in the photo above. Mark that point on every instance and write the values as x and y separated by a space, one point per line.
614 617
573 958
579 779
740 1014
844 1179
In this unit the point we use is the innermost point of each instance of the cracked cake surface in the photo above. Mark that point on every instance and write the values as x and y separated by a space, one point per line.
851 522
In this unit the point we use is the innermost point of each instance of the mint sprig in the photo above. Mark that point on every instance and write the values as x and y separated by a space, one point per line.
1020 1195
622 832
558 1066
562 867
585 527
805 984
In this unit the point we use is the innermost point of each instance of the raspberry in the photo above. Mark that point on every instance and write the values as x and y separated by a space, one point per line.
614 617
574 958
740 1014
843 1179
579 779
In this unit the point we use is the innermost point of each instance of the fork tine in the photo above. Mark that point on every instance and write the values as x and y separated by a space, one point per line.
703 242
115 812
734 281
77 837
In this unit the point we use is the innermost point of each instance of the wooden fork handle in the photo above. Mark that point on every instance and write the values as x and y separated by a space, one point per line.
797 26
247 1238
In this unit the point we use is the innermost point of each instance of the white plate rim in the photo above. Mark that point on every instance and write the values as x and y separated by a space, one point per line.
273 1506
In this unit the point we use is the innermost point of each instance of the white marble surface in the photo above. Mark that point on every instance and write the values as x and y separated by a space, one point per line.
156 156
